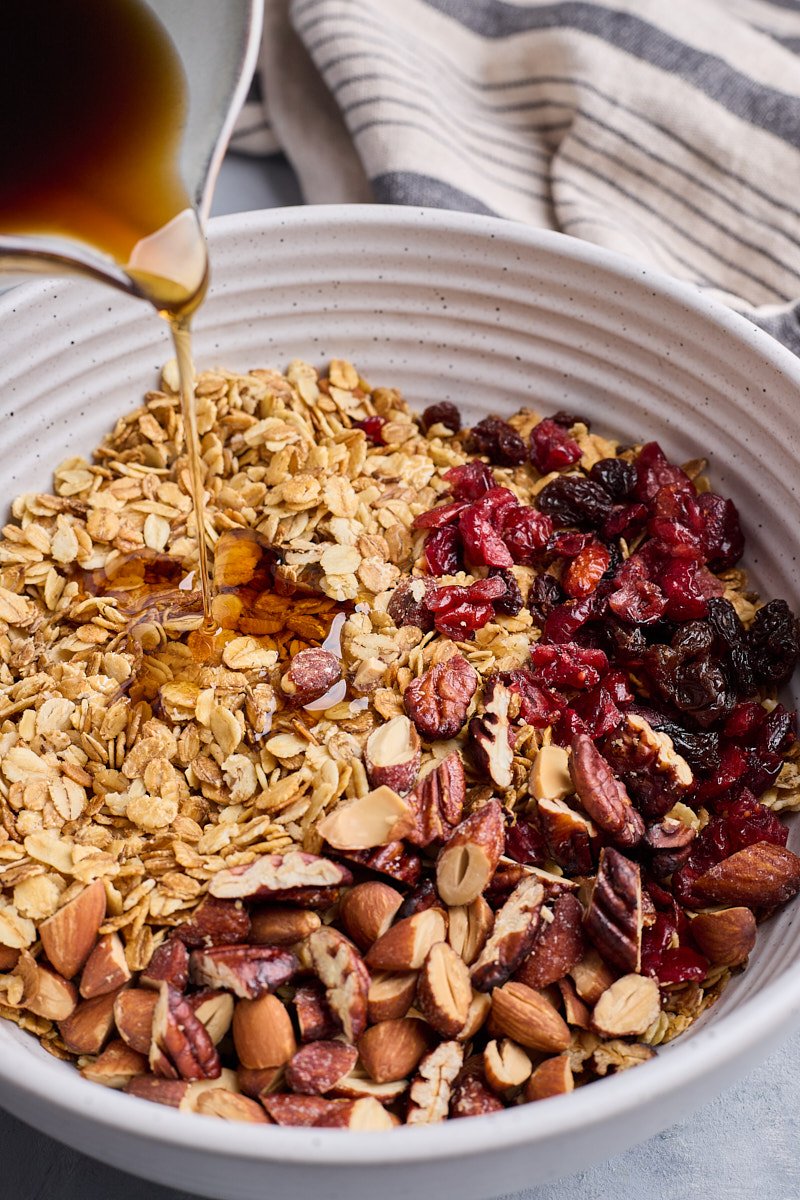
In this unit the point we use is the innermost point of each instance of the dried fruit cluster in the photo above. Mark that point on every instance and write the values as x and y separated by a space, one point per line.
516 830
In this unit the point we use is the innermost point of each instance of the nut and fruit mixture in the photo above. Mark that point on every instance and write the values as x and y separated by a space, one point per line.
470 798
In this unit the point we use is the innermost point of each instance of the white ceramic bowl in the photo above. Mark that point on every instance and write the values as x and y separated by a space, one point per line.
491 315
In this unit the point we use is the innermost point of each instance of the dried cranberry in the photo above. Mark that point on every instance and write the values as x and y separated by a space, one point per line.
654 471
638 601
617 476
575 500
525 843
723 539
540 706
569 724
552 448
779 730
774 639
731 769
598 711
586 570
526 532
687 587
459 611
443 413
511 603
568 544
480 526
678 965
568 665
745 720
470 481
675 539
616 683
498 441
437 518
443 551
460 621
545 593
624 520
563 622
372 428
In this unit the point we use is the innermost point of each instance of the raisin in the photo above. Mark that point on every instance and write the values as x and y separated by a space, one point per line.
617 476
568 419
544 594
443 413
407 604
698 686
774 639
575 500
498 441
470 481
552 448
511 603
732 638
700 749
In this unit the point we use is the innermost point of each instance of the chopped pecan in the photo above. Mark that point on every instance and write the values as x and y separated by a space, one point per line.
116 1066
423 896
89 1026
568 836
315 1020
439 700
169 963
604 797
215 923
617 1055
671 843
443 990
558 947
247 971
489 735
392 755
468 859
470 1095
394 860
761 876
653 771
341 970
429 1097
317 1067
286 877
181 1038
438 802
515 928
614 917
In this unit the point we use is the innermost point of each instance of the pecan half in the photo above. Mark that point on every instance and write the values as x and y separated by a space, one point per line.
215 923
443 990
247 971
181 1038
653 771
469 858
614 917
761 876
288 877
568 836
439 700
514 932
558 947
429 1097
341 970
604 797
489 732
317 1067
438 802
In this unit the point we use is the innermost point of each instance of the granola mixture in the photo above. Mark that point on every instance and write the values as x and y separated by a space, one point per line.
470 798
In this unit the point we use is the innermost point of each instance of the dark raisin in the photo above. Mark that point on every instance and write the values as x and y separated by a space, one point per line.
698 686
699 748
732 637
722 535
774 639
511 603
498 441
617 476
575 500
545 593
568 419
407 604
444 413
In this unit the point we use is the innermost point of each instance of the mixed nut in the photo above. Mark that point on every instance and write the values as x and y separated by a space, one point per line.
508 830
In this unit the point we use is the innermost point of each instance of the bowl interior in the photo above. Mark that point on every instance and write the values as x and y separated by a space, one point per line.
490 315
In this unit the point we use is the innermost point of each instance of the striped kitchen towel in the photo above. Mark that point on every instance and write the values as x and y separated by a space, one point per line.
665 129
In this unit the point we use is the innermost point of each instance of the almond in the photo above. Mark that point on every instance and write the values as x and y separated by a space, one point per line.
133 1013
550 778
444 992
90 1026
392 755
314 1017
8 958
469 927
525 1016
390 995
274 925
358 1084
373 820
285 1109
575 1011
366 1115
215 1010
391 1050
106 968
553 1077
229 1106
116 1066
368 910
318 1067
591 977
468 859
628 1007
160 1091
760 876
69 935
505 1064
727 937
262 1081
480 1007
198 1088
405 946
262 1032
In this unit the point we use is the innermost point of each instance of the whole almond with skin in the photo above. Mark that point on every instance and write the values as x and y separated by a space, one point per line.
263 1033
469 927
760 876
391 1050
468 859
390 995
70 934
443 990
553 1077
133 1014
87 1029
368 910
628 1007
274 925
106 968
526 1017
559 945
116 1066
405 946
392 755
726 937
380 817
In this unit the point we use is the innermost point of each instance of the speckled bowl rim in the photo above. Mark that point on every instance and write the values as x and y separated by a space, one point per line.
775 1008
